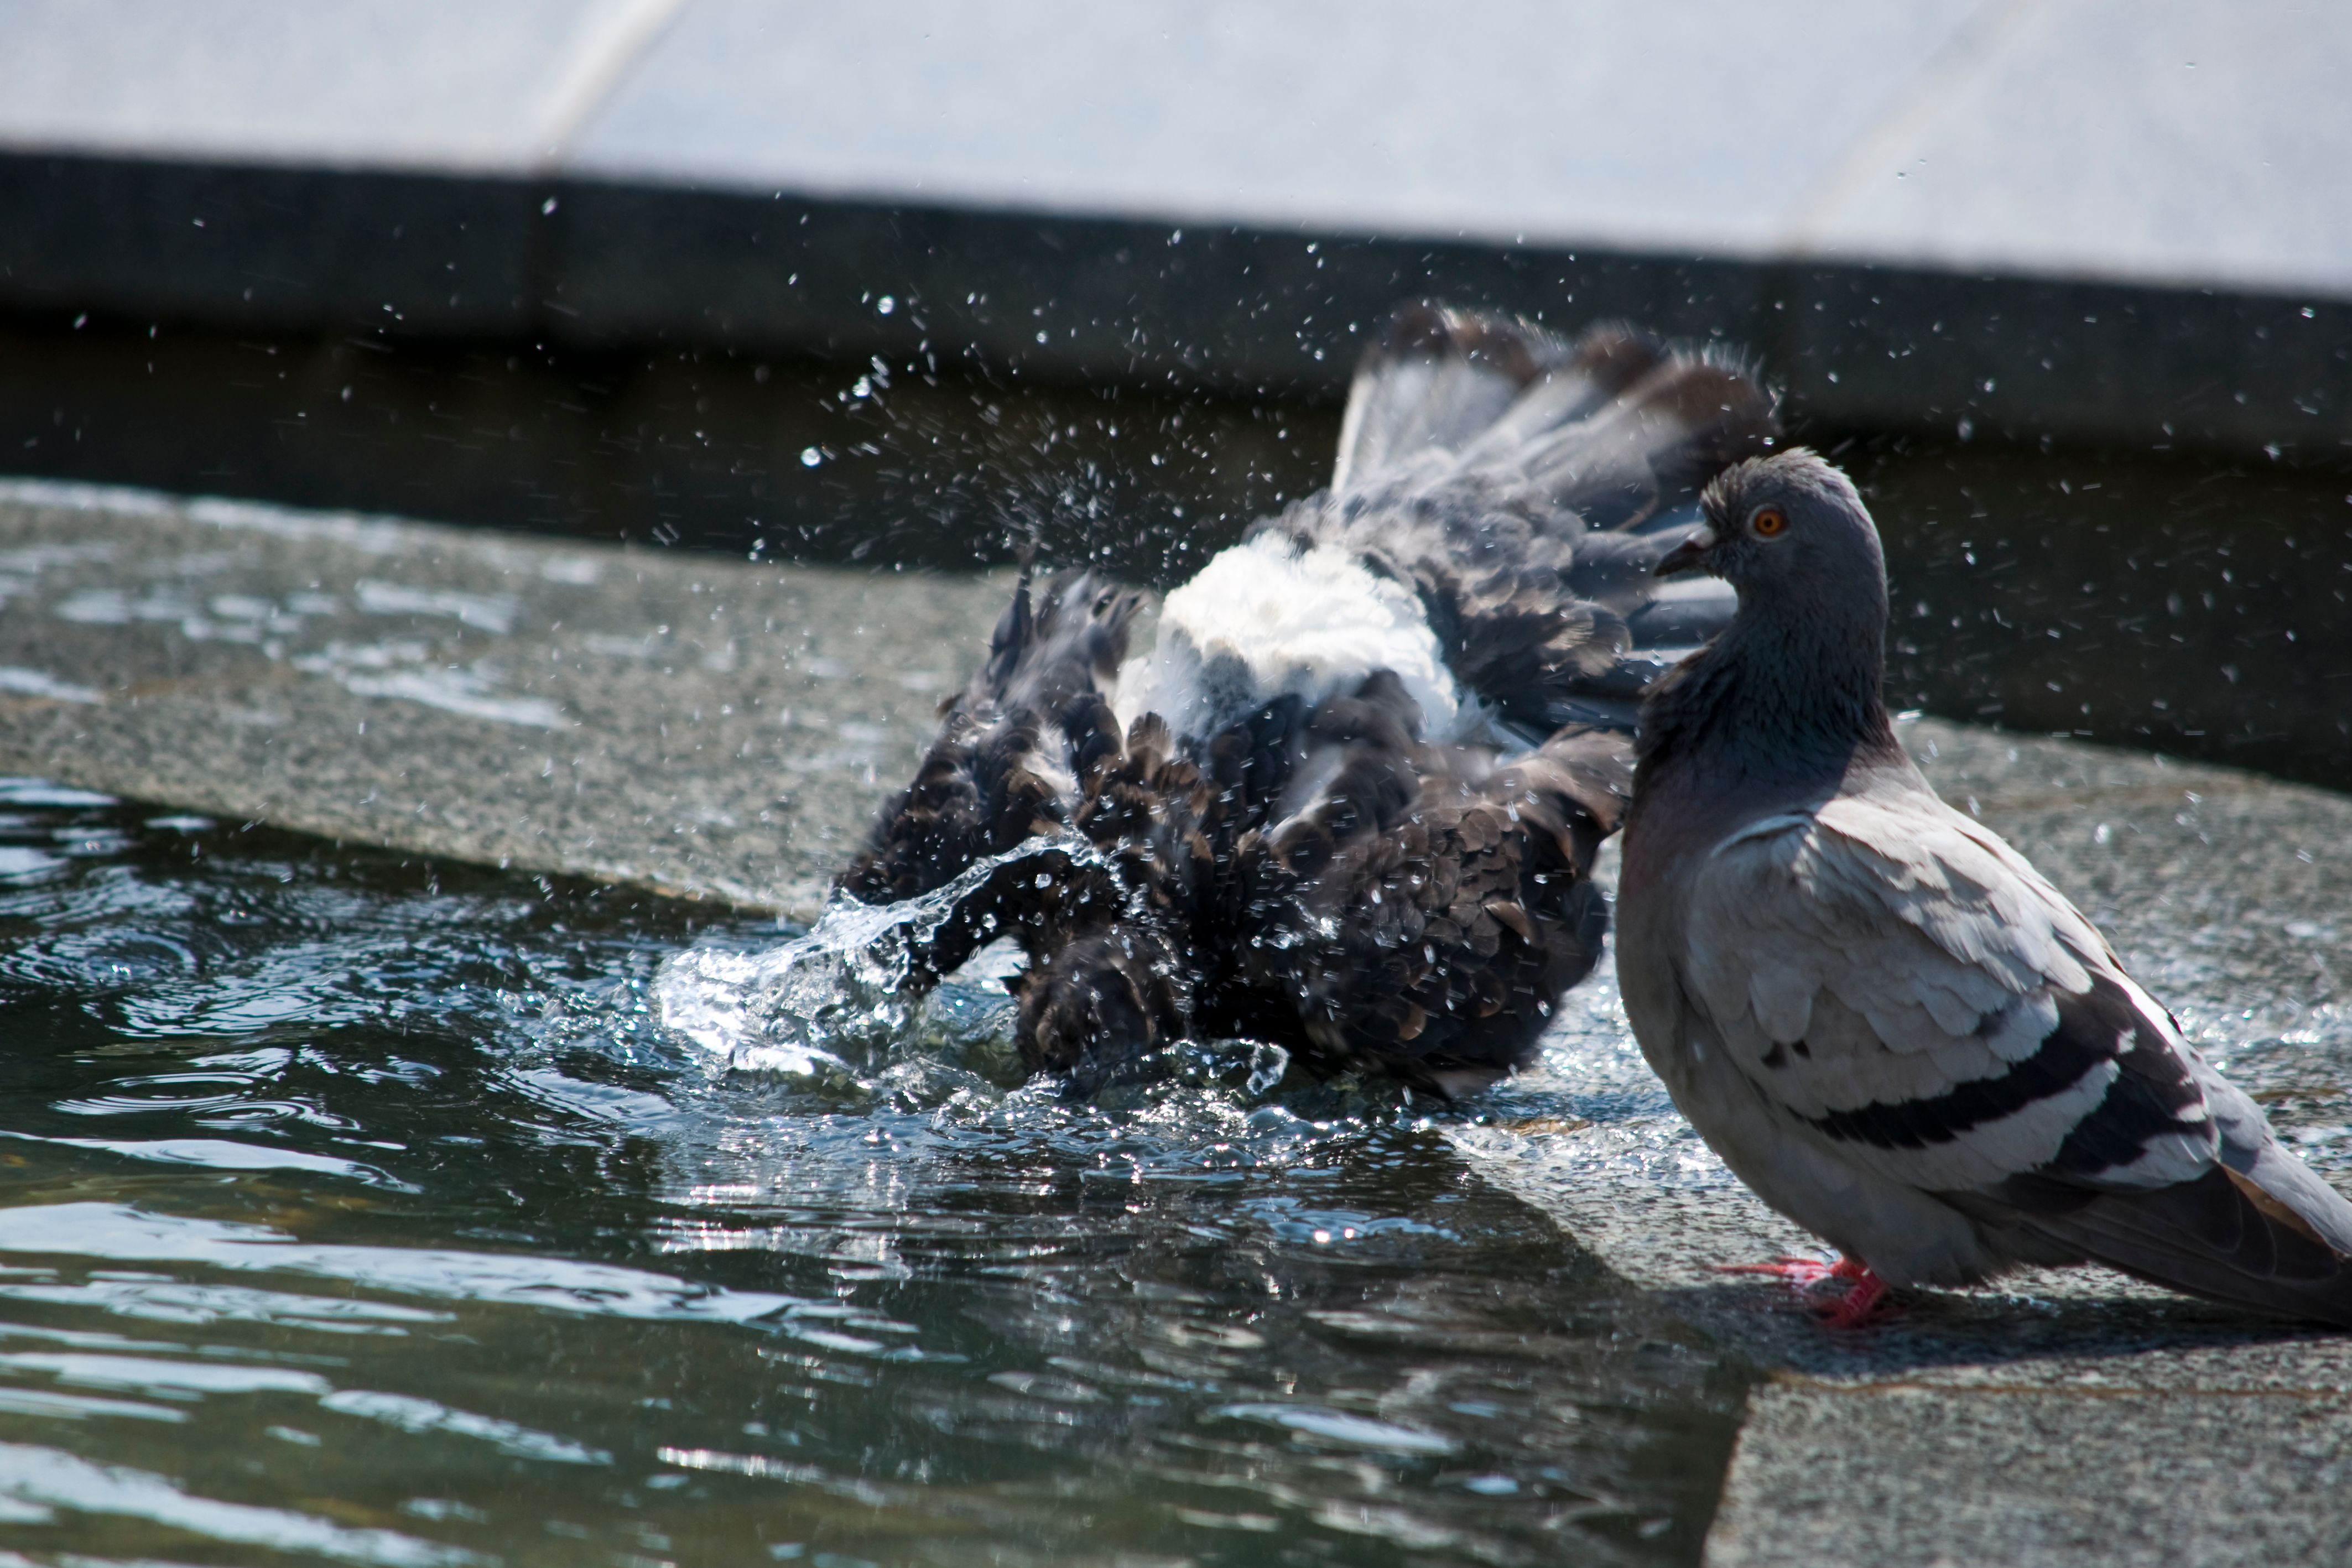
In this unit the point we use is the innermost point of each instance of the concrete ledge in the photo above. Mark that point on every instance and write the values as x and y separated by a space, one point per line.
1286 312
2110 220
603 264
2123 1479
328 248
703 728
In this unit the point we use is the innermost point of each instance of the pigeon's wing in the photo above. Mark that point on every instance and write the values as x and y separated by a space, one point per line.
1417 911
1432 380
1013 746
1897 981
1524 486
1902 984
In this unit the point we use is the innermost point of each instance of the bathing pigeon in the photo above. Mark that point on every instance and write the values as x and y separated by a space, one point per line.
1888 1025
1347 802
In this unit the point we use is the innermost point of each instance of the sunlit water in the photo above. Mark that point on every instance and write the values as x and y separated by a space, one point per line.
363 1211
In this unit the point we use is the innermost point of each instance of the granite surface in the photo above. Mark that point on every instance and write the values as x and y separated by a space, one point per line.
2066 138
2111 221
2166 141
449 84
706 727
1936 1476
723 728
1168 108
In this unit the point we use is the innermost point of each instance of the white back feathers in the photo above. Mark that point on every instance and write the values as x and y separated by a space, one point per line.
1268 618
1499 498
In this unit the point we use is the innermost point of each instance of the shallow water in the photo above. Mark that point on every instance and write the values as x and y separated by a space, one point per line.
362 1210
365 1211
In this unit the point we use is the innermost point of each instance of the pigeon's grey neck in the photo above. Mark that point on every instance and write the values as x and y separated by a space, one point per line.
1789 692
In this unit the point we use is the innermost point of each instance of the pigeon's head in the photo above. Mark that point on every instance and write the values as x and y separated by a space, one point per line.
1790 535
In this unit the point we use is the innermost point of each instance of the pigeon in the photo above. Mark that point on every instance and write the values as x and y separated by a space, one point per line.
1347 802
1889 1026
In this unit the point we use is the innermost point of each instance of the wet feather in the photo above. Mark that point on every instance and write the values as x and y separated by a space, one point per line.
1348 800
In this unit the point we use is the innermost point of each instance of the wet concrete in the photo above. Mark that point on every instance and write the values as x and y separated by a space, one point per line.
706 727
2148 1479
723 728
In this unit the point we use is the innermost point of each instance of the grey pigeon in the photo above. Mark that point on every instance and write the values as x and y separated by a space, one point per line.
1888 1025
1348 799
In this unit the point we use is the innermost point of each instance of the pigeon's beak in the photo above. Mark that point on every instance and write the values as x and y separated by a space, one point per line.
1692 552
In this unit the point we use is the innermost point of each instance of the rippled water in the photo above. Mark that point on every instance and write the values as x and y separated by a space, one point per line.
365 1211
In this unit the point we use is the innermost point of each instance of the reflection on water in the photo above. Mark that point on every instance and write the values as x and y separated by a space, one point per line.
361 1211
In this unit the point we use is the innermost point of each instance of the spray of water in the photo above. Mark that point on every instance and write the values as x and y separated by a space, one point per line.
837 998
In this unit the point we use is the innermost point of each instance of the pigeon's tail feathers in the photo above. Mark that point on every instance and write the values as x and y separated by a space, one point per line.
2259 1228
1628 455
1013 747
2252 1154
1608 431
2245 1238
1525 486
1432 380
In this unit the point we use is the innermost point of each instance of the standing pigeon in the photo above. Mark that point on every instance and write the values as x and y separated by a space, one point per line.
1888 1025
1347 802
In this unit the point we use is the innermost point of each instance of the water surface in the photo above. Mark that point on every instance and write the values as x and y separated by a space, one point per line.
362 1210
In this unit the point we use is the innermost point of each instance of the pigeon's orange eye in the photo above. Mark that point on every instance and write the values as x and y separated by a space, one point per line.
1768 521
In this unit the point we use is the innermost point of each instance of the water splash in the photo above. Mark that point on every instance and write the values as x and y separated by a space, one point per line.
383 1192
842 997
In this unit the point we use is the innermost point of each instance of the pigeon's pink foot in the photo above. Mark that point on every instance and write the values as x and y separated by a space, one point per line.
1864 1301
1803 1273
